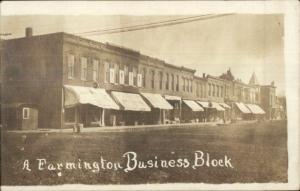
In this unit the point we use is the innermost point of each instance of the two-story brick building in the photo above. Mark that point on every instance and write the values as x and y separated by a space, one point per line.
73 80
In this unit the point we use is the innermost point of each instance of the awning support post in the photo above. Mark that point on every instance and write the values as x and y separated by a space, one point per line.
164 116
103 117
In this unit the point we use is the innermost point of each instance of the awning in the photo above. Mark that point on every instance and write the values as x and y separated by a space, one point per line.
204 104
225 105
217 106
157 101
172 98
193 105
87 95
255 109
130 101
242 107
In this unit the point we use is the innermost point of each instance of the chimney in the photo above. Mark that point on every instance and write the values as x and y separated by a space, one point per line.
28 32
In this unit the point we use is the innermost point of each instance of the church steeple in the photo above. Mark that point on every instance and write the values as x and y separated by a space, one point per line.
253 80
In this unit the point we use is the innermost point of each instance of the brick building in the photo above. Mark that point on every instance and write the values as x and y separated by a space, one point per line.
75 80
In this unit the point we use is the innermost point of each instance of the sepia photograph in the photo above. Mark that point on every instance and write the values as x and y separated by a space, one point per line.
145 99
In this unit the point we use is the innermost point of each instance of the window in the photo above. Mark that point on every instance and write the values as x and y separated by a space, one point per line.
183 84
152 78
139 80
106 66
144 71
201 89
197 89
83 62
25 113
167 82
111 75
95 69
191 85
160 80
218 91
135 70
222 91
172 82
121 77
126 74
209 89
71 66
177 83
187 84
117 67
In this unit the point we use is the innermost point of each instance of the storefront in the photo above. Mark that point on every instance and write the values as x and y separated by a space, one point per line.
192 112
241 111
257 112
159 106
174 115
134 110
88 106
227 108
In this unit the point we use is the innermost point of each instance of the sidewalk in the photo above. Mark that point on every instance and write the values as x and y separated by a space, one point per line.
130 128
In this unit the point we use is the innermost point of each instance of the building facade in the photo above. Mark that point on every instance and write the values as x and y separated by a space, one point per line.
62 75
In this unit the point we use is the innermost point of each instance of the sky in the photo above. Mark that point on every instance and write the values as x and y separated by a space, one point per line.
245 43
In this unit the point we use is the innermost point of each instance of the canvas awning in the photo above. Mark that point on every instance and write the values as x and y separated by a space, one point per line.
130 101
87 95
255 109
157 101
172 98
225 105
217 106
242 107
193 105
204 104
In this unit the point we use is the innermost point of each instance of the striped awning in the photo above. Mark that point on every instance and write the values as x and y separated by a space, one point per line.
87 95
242 107
172 98
225 105
255 109
217 106
130 101
193 105
157 101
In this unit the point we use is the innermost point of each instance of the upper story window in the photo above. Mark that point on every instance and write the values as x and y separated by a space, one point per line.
71 66
177 83
167 82
25 113
126 74
213 90
160 80
197 89
144 71
187 84
83 63
152 78
172 82
218 91
201 90
183 83
95 70
134 71
191 85
116 73
209 89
